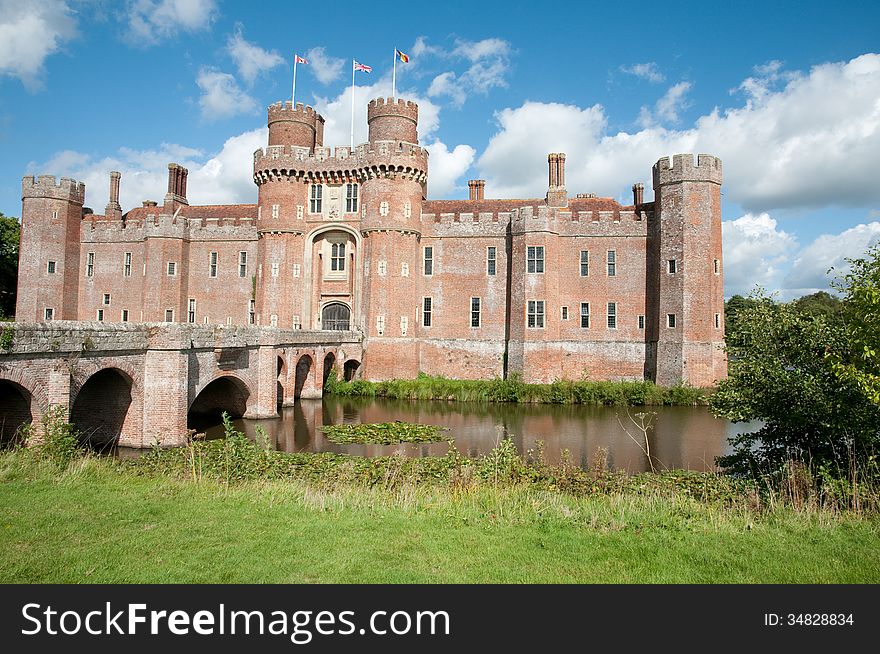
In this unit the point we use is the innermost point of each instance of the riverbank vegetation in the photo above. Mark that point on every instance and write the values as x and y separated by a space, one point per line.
383 433
513 389
233 510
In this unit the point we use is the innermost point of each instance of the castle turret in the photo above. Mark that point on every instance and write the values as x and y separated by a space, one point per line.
48 268
393 120
687 311
300 126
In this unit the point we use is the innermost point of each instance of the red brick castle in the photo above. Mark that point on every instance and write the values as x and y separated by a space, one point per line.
551 288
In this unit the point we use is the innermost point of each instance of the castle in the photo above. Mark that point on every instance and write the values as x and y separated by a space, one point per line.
550 288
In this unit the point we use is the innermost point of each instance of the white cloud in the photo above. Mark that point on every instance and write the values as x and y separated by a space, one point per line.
221 96
755 251
667 108
29 33
809 272
489 64
446 167
151 20
648 71
478 50
225 178
815 142
250 59
326 68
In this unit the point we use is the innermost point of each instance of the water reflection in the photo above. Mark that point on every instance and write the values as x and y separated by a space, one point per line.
681 437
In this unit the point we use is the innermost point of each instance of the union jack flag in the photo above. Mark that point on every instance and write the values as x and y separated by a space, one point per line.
363 67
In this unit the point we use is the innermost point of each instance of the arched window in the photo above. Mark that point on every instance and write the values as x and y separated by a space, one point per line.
335 317
337 257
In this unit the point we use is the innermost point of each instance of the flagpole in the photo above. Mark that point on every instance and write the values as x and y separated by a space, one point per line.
352 105
394 75
293 92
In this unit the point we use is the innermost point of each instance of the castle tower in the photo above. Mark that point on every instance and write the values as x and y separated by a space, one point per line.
687 311
395 177
285 173
49 262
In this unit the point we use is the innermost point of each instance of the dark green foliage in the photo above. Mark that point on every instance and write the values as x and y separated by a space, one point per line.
10 235
513 389
383 433
7 336
819 304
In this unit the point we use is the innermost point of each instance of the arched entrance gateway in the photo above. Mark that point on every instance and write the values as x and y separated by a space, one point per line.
336 317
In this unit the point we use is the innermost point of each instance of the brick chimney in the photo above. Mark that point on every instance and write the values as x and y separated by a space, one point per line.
638 194
472 189
113 211
481 189
556 193
176 186
476 188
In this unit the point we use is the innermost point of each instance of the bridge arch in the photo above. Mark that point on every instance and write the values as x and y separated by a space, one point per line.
224 392
22 382
282 379
329 362
101 409
350 368
303 367
16 410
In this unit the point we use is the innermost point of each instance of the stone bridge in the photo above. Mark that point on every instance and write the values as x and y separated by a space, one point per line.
139 384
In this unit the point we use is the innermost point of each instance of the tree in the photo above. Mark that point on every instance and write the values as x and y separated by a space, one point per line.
10 235
821 303
780 373
734 306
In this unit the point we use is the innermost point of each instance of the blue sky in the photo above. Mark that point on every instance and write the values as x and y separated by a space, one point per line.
787 94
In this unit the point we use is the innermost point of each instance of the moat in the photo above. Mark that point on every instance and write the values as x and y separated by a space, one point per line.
681 437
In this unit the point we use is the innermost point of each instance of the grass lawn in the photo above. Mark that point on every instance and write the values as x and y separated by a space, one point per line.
98 523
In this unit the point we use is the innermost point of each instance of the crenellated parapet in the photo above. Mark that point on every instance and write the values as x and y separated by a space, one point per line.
682 168
168 226
45 186
298 125
393 119
366 161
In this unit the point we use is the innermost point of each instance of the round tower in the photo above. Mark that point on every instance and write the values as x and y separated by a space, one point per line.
300 126
393 120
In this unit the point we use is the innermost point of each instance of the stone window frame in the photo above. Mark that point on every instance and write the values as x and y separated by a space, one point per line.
214 265
335 251
316 198
252 312
491 260
242 263
476 312
671 320
169 315
106 299
535 259
585 263
611 315
191 310
126 264
428 260
171 269
535 314
90 264
51 267
585 315
351 197
276 211
49 313
123 315
717 321
671 266
99 315
427 311
563 313
716 264
641 322
611 263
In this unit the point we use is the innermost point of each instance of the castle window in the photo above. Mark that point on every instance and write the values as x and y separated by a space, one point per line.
126 266
90 265
404 269
404 325
351 198
100 316
55 214
612 315
565 313
535 314
172 268
475 312
380 325
213 267
252 311
641 322
191 310
276 209
49 314
490 260
535 259
670 320
427 310
274 269
106 298
429 260
670 266
124 315
383 208
169 315
316 193
717 321
50 267
612 263
585 315
717 266
242 264
585 263
337 257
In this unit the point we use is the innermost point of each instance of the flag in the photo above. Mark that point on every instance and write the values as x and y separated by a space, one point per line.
299 60
402 55
363 67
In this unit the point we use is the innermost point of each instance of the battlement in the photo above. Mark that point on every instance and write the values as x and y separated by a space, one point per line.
288 160
45 186
286 111
391 119
397 106
683 169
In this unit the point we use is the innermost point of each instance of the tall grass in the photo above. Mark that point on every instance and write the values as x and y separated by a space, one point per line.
513 389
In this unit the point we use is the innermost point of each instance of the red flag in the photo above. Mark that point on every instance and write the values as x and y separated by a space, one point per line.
299 60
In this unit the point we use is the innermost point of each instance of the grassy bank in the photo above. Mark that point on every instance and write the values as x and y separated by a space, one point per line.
230 511
426 387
